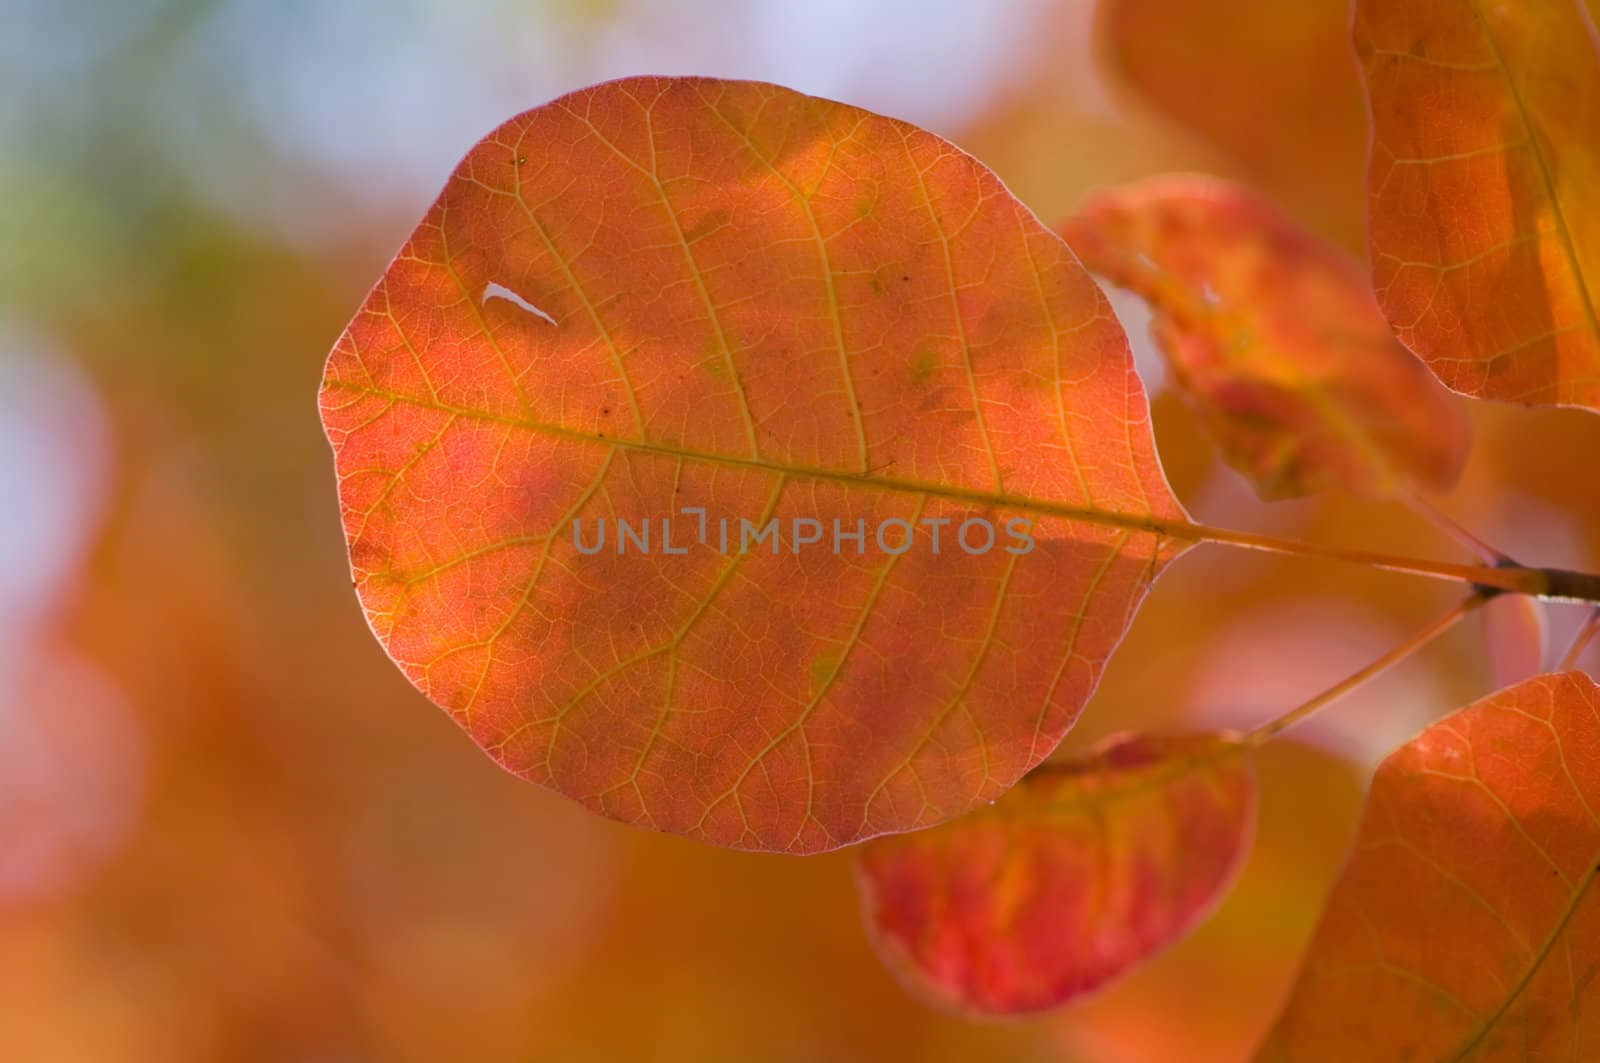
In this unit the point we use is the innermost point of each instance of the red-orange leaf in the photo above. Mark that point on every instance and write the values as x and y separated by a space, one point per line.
661 295
1072 878
1466 925
1485 190
1275 338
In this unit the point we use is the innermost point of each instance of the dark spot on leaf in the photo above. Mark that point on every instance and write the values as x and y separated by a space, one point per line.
706 224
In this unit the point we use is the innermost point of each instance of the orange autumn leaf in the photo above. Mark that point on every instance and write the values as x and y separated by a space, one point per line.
720 304
1485 190
1271 83
1083 870
1275 338
1465 925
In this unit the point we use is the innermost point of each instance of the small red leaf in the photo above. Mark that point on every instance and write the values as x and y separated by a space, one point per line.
1514 637
1274 335
1081 871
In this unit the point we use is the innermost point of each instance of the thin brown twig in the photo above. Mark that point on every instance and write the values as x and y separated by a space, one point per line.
1273 728
1448 525
1586 634
1252 740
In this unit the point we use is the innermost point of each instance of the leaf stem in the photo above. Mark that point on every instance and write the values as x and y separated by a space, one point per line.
1449 526
1273 728
1252 740
1508 577
1586 633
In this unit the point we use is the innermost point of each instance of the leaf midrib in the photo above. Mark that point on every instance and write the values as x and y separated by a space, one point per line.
1535 963
1036 507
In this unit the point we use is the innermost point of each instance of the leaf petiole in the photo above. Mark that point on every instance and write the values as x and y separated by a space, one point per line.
1271 729
1552 584
1260 736
1454 530
1580 642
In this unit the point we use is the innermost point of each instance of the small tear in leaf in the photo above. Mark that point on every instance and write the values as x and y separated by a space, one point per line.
495 290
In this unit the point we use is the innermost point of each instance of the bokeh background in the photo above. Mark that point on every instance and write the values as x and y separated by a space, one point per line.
229 830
